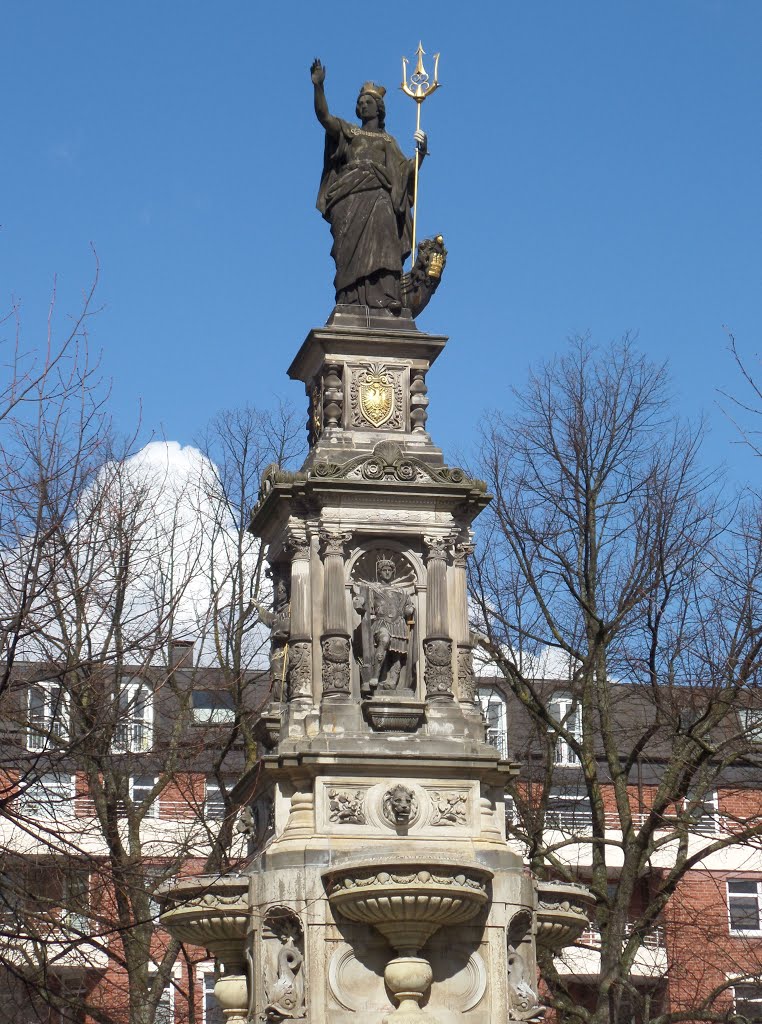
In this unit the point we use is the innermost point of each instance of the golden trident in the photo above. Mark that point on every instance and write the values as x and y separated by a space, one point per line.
418 87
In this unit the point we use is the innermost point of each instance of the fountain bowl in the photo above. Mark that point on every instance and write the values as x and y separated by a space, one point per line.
208 910
408 902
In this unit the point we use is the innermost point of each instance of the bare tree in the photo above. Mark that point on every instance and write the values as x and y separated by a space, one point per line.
608 553
745 410
53 424
124 754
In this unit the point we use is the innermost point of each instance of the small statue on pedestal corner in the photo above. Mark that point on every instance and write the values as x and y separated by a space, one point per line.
279 621
388 616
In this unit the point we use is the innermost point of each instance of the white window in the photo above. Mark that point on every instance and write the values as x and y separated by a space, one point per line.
703 811
133 732
165 1011
568 809
566 713
140 792
494 710
751 723
511 817
214 804
50 796
75 901
747 1000
48 716
154 877
213 707
212 1010
744 906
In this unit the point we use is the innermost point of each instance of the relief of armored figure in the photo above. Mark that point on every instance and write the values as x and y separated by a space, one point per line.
388 614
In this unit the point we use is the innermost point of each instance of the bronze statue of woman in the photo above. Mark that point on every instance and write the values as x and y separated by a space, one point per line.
366 195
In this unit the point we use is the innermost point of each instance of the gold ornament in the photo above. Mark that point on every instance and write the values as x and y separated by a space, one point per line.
376 394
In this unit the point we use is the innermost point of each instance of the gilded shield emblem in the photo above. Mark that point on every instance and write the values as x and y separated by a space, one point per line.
376 394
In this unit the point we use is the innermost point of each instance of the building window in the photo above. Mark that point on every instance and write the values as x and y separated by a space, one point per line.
213 707
566 713
214 804
744 906
48 716
494 710
747 1000
75 901
703 812
212 1010
568 809
165 1010
133 732
50 796
751 723
141 787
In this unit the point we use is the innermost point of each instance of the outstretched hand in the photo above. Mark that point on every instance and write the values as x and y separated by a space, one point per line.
317 72
421 142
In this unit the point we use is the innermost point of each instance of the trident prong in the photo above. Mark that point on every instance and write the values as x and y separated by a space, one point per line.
418 87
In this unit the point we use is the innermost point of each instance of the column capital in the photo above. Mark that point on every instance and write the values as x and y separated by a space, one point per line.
437 548
334 541
461 552
297 541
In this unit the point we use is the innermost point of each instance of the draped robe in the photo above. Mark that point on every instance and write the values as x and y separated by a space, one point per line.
366 195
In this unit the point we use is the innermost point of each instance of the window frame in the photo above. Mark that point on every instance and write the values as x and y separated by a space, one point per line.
752 730
153 808
216 715
569 718
741 932
206 971
582 821
711 815
79 920
55 725
169 991
63 799
491 697
207 804
757 985
139 731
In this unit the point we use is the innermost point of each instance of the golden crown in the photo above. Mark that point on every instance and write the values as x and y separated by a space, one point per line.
374 90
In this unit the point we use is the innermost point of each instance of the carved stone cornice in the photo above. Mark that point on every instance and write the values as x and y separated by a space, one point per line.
389 462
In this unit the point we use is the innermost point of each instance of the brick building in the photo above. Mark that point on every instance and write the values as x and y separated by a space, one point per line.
159 762
704 946
114 780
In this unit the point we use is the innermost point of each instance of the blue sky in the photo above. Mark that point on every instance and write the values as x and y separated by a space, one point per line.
595 167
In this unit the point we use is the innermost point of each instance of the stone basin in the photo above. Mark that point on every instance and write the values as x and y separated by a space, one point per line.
562 909
408 902
210 911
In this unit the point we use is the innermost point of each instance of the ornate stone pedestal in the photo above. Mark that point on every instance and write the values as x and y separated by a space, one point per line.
385 881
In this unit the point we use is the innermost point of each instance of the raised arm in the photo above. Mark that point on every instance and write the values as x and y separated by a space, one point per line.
331 125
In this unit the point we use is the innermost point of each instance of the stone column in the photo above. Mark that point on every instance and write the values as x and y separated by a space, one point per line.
466 683
437 645
334 640
300 644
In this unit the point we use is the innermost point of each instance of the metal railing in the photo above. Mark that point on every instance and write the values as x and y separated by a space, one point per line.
651 939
